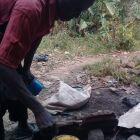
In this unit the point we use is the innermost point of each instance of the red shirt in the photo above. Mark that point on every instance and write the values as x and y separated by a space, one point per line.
27 20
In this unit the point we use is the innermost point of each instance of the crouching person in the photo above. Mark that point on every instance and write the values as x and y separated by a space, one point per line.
22 25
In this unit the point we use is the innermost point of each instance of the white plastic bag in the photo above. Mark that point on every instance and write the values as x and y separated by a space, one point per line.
67 98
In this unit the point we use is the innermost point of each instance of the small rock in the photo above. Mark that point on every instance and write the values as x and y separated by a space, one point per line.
112 82
133 93
96 134
130 90
44 64
133 137
40 57
100 111
46 83
125 53
66 53
114 55
113 89
130 101
97 93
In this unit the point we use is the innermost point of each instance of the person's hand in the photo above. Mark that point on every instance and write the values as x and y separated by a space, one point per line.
47 127
46 124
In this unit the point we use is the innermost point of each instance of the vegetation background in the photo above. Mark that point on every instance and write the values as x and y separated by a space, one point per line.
106 26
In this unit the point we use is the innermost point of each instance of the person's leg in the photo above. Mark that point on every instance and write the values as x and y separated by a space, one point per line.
19 91
1 129
17 112
3 107
2 112
29 57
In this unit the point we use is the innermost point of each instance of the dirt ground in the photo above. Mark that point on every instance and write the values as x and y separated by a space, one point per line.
64 69
102 97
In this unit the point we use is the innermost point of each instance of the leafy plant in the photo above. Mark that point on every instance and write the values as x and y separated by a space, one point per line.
107 18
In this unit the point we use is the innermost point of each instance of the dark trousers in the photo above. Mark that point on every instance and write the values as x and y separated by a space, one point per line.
17 111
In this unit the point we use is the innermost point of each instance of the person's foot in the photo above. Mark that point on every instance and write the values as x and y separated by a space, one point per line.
22 132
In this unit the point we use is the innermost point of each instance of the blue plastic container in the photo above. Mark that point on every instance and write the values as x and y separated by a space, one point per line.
35 87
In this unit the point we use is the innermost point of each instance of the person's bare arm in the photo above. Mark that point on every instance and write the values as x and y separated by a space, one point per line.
29 57
26 72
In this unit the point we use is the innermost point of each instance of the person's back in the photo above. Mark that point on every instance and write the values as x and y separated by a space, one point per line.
29 20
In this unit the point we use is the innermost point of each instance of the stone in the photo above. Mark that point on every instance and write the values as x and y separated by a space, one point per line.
40 57
82 125
130 101
133 137
131 118
113 89
96 134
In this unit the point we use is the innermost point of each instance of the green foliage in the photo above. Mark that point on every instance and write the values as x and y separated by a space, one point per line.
61 43
107 18
106 26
